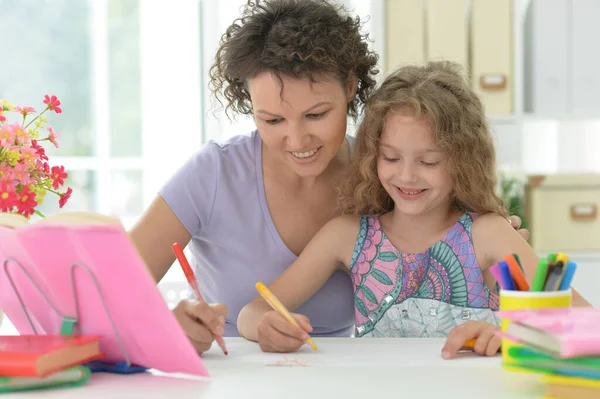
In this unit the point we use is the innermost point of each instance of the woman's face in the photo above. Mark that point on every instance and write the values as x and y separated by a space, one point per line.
302 124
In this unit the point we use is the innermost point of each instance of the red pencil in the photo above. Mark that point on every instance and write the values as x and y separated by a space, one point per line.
191 278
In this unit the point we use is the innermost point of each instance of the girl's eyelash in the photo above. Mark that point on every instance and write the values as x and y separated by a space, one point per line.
390 159
430 163
273 121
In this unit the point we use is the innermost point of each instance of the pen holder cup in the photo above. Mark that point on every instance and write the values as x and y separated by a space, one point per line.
520 300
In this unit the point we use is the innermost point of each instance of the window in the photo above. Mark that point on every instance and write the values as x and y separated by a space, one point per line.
131 99
128 74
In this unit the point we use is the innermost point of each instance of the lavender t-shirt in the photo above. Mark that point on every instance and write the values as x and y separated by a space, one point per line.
219 197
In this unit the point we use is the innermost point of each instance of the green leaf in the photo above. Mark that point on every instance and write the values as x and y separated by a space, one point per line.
369 294
388 256
40 214
360 305
381 277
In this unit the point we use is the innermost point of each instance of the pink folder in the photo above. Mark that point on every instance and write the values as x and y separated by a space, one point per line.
147 329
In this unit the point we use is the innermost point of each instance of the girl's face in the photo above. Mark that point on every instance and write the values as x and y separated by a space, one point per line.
302 124
411 167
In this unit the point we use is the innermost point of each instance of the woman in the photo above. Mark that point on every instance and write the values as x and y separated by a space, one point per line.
249 206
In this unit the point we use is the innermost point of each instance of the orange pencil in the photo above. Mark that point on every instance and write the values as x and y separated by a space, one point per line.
189 275
470 343
515 271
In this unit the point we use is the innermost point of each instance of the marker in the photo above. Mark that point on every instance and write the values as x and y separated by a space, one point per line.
562 257
506 277
516 256
191 278
497 275
554 277
565 283
539 280
515 271
278 307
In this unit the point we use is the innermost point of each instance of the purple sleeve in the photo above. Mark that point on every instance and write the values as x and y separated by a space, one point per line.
191 191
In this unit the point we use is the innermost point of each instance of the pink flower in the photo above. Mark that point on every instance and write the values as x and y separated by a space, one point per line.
65 197
53 136
58 175
52 103
28 154
21 174
41 151
45 167
8 197
7 135
26 202
6 173
21 136
24 110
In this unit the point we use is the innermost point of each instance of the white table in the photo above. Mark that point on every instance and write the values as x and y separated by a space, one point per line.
342 368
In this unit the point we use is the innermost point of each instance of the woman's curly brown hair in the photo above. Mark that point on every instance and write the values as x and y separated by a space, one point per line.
297 38
439 92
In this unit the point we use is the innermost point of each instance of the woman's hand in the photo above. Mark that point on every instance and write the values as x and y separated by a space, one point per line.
487 344
515 222
201 322
276 334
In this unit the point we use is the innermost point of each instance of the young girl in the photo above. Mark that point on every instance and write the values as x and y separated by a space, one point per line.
422 223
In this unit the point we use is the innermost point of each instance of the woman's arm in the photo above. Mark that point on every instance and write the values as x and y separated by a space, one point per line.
330 249
153 236
494 238
155 233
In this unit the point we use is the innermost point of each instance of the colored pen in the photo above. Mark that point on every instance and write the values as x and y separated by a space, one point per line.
506 277
539 279
563 257
516 256
191 279
515 272
554 277
497 275
278 306
565 283
551 258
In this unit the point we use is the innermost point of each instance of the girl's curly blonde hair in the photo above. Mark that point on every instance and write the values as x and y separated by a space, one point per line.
439 92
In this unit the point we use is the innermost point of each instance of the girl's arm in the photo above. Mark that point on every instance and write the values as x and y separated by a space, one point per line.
494 238
330 249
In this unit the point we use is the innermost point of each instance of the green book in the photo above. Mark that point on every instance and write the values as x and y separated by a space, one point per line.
70 377
525 356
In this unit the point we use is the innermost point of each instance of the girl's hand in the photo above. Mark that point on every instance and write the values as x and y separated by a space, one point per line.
276 334
488 343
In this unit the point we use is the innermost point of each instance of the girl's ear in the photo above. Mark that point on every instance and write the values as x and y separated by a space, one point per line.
351 87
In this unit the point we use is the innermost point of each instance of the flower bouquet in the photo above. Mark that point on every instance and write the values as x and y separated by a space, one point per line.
26 175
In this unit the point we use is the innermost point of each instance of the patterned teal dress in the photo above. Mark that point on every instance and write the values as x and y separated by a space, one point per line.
418 295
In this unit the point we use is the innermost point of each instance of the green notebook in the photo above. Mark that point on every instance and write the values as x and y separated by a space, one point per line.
71 377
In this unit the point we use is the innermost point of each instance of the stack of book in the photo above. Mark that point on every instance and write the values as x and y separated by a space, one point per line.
563 344
45 361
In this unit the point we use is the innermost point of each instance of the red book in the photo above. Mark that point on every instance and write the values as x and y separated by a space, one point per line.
41 355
